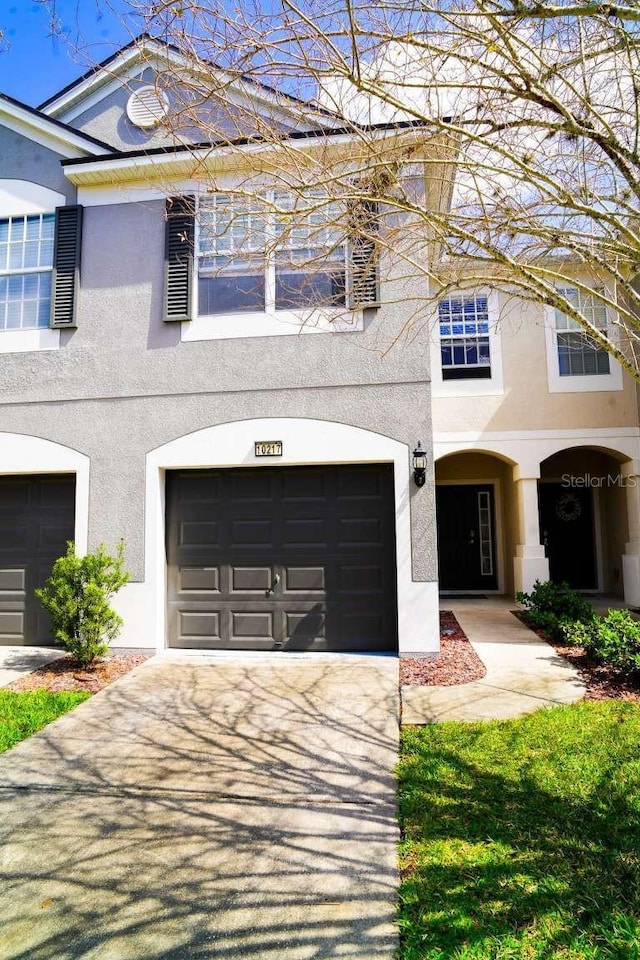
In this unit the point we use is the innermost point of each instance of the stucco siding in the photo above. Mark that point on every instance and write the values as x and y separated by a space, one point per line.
117 434
123 348
190 119
23 159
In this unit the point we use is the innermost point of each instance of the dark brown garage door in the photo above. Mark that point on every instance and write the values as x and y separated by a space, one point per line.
291 558
37 517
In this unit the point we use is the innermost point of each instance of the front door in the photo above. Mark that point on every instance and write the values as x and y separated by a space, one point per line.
567 531
466 537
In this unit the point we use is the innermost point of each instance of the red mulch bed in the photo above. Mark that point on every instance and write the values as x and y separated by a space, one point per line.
66 674
456 663
602 682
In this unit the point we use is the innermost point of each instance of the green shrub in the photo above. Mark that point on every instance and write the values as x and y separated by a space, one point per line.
77 595
551 606
614 639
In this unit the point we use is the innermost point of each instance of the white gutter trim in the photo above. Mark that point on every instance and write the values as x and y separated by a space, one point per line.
203 154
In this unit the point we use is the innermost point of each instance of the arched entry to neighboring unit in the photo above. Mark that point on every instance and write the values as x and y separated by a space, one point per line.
474 490
583 518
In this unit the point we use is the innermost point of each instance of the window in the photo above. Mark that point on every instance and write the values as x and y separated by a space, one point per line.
278 252
26 266
464 338
309 255
578 354
575 363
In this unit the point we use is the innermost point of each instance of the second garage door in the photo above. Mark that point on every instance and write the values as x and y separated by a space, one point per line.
37 517
289 558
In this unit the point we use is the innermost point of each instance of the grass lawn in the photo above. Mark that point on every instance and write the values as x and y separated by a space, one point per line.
21 714
521 838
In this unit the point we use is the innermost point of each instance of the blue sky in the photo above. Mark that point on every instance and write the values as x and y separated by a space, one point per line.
34 64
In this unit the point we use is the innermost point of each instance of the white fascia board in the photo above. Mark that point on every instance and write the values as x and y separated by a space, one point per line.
133 62
84 88
39 129
189 163
103 91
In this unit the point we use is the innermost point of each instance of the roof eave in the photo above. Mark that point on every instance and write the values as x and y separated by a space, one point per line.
190 162
59 132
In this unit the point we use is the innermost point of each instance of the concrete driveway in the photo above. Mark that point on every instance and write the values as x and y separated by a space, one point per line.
208 807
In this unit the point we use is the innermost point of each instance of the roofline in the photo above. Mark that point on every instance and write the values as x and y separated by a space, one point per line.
147 38
254 141
72 134
93 70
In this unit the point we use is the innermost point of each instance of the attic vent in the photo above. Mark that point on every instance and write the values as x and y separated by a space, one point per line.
147 106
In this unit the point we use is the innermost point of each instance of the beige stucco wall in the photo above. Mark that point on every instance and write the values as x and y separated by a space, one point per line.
526 403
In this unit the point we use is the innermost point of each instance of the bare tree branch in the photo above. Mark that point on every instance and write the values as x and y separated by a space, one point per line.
521 121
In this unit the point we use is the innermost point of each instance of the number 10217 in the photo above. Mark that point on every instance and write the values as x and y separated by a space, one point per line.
268 448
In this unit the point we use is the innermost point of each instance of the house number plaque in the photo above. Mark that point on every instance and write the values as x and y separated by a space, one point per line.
268 448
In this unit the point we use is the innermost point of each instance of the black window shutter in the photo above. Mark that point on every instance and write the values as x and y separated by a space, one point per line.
178 262
66 267
364 290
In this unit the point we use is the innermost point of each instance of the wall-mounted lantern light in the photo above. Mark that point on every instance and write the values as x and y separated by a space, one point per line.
419 465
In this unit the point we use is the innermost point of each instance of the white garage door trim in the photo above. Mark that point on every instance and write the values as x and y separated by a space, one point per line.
305 442
20 454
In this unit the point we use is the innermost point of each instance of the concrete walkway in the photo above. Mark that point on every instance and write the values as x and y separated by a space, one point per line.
15 662
523 672
208 808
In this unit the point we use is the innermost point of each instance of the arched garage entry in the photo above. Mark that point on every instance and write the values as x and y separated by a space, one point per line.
359 483
44 499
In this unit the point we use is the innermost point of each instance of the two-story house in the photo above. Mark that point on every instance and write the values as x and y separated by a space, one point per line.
159 384
162 385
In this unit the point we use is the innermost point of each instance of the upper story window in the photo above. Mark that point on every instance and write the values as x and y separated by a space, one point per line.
275 253
578 354
575 362
466 358
26 266
465 349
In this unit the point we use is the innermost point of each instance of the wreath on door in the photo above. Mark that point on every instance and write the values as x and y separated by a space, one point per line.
568 507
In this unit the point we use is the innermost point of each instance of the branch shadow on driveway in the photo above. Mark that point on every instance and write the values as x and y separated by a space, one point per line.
208 808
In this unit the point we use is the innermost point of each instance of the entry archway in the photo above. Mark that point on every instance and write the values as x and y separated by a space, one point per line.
584 517
474 502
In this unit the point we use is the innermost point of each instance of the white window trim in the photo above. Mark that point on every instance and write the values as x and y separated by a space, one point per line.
596 383
491 386
21 198
268 323
29 341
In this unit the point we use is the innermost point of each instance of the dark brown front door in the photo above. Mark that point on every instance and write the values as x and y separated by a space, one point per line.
466 537
289 558
567 531
37 518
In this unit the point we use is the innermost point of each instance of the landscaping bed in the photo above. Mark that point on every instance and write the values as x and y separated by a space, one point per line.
66 674
603 682
604 648
456 663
